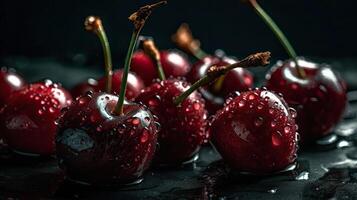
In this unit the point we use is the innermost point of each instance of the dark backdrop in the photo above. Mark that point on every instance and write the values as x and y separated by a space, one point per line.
324 28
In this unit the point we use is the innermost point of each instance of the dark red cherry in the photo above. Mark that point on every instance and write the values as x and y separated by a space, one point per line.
237 79
174 63
183 127
97 147
319 98
255 132
90 85
28 121
134 84
10 82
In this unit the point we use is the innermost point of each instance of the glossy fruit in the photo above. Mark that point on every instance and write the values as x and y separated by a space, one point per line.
238 79
10 82
320 98
28 121
183 127
97 147
174 63
84 87
255 132
134 84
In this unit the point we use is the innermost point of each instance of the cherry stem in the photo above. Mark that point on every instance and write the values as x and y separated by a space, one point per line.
150 49
184 39
138 19
214 72
279 34
94 24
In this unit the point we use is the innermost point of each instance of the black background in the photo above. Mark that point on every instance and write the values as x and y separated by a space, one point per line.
54 28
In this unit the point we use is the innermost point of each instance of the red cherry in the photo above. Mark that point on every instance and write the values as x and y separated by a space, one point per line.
319 98
90 85
9 83
237 79
97 147
255 132
28 121
134 84
174 63
183 127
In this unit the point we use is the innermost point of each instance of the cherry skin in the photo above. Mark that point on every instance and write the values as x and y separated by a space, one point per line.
97 147
319 99
238 79
82 88
134 84
28 121
174 64
255 132
10 82
183 127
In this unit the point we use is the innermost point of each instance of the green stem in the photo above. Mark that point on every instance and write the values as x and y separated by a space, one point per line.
279 34
199 54
160 70
119 107
107 59
254 60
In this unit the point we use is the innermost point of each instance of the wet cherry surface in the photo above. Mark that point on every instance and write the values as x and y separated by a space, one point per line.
320 99
97 147
28 121
183 127
174 64
237 79
259 132
323 171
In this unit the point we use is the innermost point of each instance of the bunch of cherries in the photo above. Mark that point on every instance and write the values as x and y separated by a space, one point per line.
118 125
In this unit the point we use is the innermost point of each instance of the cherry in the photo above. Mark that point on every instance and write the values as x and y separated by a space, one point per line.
10 82
183 128
259 132
134 84
174 63
237 79
98 147
90 85
319 98
182 114
103 139
28 121
314 90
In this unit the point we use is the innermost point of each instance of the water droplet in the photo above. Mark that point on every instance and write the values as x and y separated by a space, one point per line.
287 129
144 136
294 86
51 109
40 111
241 103
293 112
258 121
196 106
271 111
251 97
135 121
275 139
273 124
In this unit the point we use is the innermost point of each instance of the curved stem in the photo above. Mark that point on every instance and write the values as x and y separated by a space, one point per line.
199 54
254 60
279 34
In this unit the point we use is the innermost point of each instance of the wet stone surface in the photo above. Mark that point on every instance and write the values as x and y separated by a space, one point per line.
327 170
